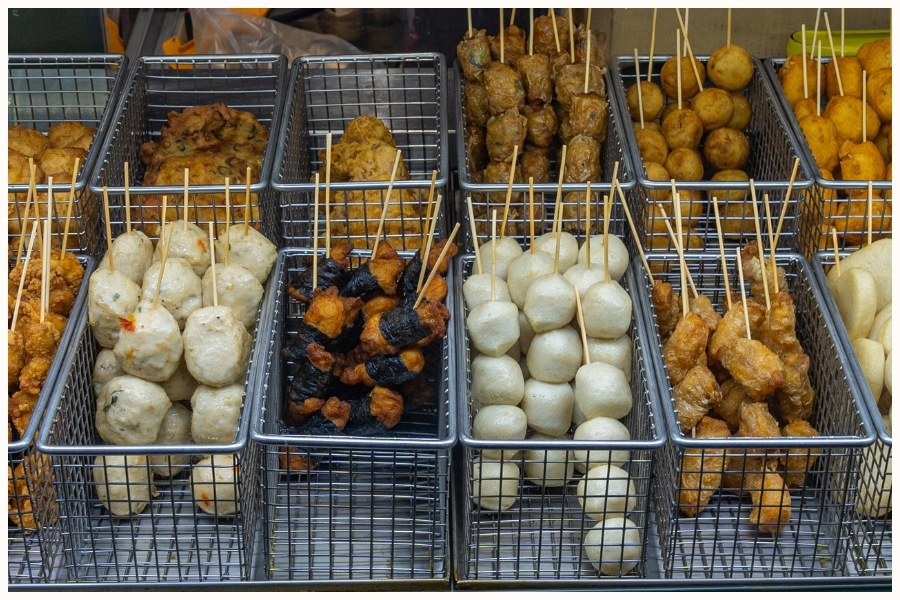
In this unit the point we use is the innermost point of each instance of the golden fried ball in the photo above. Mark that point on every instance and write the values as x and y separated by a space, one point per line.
714 106
726 148
726 194
851 219
652 145
846 114
851 77
669 77
27 141
821 136
663 242
882 141
861 162
684 164
70 134
730 68
682 129
790 75
875 55
654 125
878 93
652 100
58 162
743 112
657 172
804 107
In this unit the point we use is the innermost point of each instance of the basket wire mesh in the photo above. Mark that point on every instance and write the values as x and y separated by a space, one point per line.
407 93
773 150
734 536
541 538
353 509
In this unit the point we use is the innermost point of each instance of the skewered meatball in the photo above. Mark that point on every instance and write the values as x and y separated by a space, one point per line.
216 413
186 240
111 295
149 344
504 88
216 346
132 254
123 483
181 289
504 132
214 484
235 287
251 250
130 411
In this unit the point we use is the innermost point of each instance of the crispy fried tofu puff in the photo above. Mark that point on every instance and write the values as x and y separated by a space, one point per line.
846 114
651 100
850 70
669 77
875 55
821 136
790 75
714 106
730 68
878 93
726 148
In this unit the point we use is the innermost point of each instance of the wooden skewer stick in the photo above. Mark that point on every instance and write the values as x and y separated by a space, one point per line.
722 252
803 54
127 198
640 95
842 31
437 265
556 250
428 206
109 238
212 266
15 317
37 201
501 36
587 63
740 270
818 78
186 178
679 243
328 189
530 31
571 36
607 206
834 58
384 207
869 214
634 232
557 216
787 198
509 187
552 16
687 18
759 244
315 260
690 53
426 250
678 66
493 252
685 307
688 278
864 106
772 264
587 221
816 27
652 46
728 30
579 311
164 254
469 15
45 269
247 214
531 213
28 197
837 251
512 17
474 234
228 215
69 203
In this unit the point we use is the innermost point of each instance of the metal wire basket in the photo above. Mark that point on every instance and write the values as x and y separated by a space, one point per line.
831 203
34 540
354 510
872 525
407 93
772 153
46 90
159 85
140 514
487 197
733 536
540 537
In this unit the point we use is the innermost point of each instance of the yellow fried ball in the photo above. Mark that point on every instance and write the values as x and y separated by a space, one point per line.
728 194
657 172
652 145
668 77
875 55
714 106
684 164
790 75
821 137
730 68
882 141
743 112
726 148
682 129
652 100
861 162
878 93
846 114
850 77
804 107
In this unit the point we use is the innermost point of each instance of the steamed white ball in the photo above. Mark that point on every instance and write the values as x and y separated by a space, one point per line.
618 255
601 390
607 310
523 270
602 429
554 356
496 380
606 491
499 422
493 327
553 467
613 546
549 302
477 289
568 248
508 249
495 485
548 406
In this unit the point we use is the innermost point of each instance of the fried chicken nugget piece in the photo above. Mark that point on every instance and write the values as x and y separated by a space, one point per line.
20 408
686 348
771 501
30 505
694 396
701 469
754 366
797 462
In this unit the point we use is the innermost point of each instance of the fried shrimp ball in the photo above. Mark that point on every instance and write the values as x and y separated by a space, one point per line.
726 148
652 145
689 86
652 100
714 106
846 114
822 138
730 68
726 194
684 164
878 93
851 77
682 128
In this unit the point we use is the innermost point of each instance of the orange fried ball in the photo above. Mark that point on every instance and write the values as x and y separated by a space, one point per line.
875 55
882 141
846 114
714 106
790 75
861 162
654 125
878 93
743 112
821 136
652 101
684 164
804 107
652 145
730 68
726 148
668 77
692 209
850 80
682 128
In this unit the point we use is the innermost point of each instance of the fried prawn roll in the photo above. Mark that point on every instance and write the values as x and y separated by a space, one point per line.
686 347
701 469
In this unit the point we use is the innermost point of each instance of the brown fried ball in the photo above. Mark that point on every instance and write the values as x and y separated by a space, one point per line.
542 125
846 114
652 100
70 134
692 209
714 106
27 141
503 133
657 172
669 77
726 193
514 44
882 141
743 112
726 148
504 87
652 145
821 136
861 162
878 93
804 107
476 103
684 164
730 68
851 77
670 108
875 55
790 75
663 242
654 125
535 163
851 220
476 148
682 129
56 162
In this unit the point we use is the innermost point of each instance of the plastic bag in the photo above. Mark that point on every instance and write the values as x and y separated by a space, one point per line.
222 31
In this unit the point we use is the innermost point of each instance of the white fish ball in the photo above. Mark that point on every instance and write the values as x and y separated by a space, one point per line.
122 483
601 390
523 270
495 485
508 249
554 356
549 302
607 310
613 546
526 333
477 289
618 255
548 468
617 352
214 484
216 413
602 429
583 277
496 380
568 248
175 430
500 422
112 295
548 406
132 254
606 491
186 240
105 368
493 327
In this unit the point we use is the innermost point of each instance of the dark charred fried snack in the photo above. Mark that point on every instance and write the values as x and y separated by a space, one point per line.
701 469
541 125
504 88
666 308
386 369
386 405
794 400
569 82
476 101
694 396
498 172
474 54
686 347
505 132
796 463
537 78
771 501
290 459
377 275
588 116
582 160
513 44
331 272
733 326
778 331
755 273
545 40
702 306
754 366
387 332
312 374
381 408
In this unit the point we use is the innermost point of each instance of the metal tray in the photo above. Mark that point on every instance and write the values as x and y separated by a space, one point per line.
721 541
408 93
773 150
354 510
46 89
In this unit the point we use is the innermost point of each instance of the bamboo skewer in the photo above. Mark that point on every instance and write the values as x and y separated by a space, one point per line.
571 36
228 215
679 249
864 106
387 201
469 15
787 198
164 254
818 78
109 239
759 244
869 214
531 213
803 55
493 252
246 207
512 17
509 187
607 209
740 269
837 252
678 66
587 220
315 261
501 36
69 203
652 46
579 312
530 31
426 249
842 31
634 232
474 234
429 205
552 16
186 177
437 265
728 30
45 270
771 243
834 58
328 191
557 217
127 175
816 27
28 197
640 95
690 53
212 266
722 252
15 316
587 63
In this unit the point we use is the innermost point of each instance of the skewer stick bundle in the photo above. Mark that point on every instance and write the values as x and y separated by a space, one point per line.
509 187
426 249
690 52
384 208
437 265
69 203
771 242
834 58
34 230
474 234
212 255
722 252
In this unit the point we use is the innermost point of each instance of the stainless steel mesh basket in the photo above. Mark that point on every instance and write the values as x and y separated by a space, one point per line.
773 151
159 85
160 525
407 92
34 539
353 509
45 90
539 539
870 541
733 536
487 197
830 203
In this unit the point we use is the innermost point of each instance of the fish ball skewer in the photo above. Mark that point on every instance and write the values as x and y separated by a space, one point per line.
214 484
188 241
500 422
548 406
617 352
111 295
601 429
496 380
554 356
568 248
249 249
130 411
149 344
216 346
123 483
602 390
235 287
216 412
181 289
132 254
618 255
549 302
523 271
607 310
477 289
548 468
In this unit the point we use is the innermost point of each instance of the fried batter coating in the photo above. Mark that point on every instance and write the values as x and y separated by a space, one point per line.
754 273
513 44
33 374
795 399
582 160
537 78
27 141
544 36
702 306
778 330
666 307
504 133
771 501
694 396
20 408
569 81
734 396
757 422
29 476
733 326
686 348
474 54
796 463
701 469
70 134
542 125
58 162
476 102
754 366
588 116
15 357
536 164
